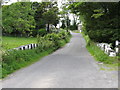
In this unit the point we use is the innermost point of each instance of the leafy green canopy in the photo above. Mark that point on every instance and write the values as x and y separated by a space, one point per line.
101 20
46 13
18 18
27 18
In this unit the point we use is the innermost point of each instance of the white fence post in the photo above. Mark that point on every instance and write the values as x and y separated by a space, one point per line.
117 46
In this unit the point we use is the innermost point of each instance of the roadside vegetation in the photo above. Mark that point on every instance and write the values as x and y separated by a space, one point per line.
98 54
100 20
16 59
99 25
26 19
33 22
26 23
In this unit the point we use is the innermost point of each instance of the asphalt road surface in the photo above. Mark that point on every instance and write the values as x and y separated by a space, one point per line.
69 67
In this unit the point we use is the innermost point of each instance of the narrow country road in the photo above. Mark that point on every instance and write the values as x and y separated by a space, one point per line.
69 67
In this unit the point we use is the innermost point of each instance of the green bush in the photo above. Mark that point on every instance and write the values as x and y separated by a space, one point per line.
44 43
73 27
18 19
105 35
54 39
16 59
12 60
42 32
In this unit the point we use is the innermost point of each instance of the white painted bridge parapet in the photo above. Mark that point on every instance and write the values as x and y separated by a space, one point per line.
25 47
108 50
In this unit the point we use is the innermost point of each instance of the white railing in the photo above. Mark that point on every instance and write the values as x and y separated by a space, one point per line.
108 50
25 47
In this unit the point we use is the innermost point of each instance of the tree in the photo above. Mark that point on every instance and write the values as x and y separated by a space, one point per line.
63 24
40 8
67 22
47 13
100 19
65 16
51 15
56 22
18 19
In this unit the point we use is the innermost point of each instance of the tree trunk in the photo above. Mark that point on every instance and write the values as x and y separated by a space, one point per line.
48 29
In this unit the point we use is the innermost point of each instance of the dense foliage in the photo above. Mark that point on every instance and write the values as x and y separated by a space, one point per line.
18 19
46 13
15 59
27 18
101 20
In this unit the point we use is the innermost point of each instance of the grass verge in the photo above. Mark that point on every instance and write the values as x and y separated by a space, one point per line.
31 57
98 54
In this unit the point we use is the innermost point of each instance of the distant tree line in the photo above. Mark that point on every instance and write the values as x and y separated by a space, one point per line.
27 18
101 20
